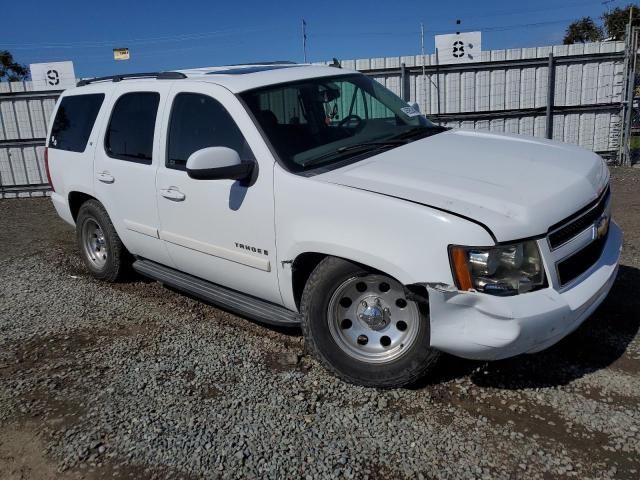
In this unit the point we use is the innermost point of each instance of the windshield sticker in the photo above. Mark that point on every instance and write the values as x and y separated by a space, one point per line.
410 111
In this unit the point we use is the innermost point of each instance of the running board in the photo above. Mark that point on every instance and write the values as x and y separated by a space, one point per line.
228 299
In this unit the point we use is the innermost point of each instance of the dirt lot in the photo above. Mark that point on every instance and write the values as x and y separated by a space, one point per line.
136 381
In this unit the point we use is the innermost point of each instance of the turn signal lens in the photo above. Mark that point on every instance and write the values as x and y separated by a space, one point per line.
461 268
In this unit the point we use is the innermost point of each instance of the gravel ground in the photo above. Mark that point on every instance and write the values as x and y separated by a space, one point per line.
136 381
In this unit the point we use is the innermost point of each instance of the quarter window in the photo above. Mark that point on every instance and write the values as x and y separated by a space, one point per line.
130 132
74 121
199 121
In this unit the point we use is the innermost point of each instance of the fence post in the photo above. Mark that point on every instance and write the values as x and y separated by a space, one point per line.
551 89
627 102
403 82
438 84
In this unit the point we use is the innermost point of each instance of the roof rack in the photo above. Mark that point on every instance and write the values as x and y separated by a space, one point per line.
117 78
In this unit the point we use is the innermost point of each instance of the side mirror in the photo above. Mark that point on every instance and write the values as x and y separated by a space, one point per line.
218 163
415 106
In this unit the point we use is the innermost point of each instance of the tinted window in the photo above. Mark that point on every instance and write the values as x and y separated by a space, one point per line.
198 121
74 120
130 132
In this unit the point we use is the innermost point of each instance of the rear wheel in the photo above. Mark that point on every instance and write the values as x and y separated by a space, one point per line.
100 247
362 327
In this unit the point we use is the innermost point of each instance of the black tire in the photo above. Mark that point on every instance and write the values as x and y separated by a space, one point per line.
117 260
413 363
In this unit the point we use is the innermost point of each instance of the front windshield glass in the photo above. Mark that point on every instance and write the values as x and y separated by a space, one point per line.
321 121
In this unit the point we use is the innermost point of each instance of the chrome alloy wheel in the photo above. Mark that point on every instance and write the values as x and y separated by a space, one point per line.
371 320
94 243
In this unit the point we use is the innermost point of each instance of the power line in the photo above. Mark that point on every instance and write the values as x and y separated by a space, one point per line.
244 31
502 13
490 28
139 41
511 27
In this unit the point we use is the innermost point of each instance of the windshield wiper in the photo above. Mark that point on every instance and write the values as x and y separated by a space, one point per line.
421 130
393 141
355 149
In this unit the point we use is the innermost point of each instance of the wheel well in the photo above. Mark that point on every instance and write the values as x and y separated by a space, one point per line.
76 199
302 267
305 263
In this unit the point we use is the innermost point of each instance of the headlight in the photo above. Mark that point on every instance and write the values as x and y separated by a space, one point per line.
499 270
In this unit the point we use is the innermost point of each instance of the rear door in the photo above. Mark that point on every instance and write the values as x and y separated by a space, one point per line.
125 166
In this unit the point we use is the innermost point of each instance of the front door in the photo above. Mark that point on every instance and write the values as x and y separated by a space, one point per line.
218 230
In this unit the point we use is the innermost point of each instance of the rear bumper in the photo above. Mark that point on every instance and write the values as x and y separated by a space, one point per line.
483 327
62 207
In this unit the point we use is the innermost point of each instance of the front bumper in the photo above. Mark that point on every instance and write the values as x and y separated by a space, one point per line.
484 327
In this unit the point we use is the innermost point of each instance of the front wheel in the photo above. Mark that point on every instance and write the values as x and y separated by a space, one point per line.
362 327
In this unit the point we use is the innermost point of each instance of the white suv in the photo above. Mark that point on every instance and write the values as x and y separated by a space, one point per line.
313 196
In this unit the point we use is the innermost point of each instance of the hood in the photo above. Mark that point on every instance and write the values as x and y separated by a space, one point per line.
517 186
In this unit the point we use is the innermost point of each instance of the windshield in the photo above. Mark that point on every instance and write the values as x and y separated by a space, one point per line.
322 121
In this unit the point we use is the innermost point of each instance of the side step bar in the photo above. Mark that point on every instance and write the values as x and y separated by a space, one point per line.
228 299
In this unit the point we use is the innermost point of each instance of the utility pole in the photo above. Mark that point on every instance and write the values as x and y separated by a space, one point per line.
304 40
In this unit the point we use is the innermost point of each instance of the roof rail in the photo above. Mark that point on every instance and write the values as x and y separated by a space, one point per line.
276 62
117 78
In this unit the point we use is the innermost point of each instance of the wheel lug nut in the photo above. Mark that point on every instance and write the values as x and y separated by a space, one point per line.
364 304
362 339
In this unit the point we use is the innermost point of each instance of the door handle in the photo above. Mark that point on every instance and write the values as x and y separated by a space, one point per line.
106 177
172 193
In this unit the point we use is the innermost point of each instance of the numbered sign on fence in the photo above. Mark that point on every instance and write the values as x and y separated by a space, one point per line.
52 76
459 48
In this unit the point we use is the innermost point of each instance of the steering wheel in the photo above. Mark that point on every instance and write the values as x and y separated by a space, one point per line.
355 119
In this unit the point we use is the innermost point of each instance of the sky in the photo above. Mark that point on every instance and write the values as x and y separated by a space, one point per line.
165 35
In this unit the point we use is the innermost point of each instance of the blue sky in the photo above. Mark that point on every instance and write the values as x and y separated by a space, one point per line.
181 34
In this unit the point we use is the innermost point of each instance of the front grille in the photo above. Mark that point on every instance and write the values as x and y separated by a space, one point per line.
580 262
564 231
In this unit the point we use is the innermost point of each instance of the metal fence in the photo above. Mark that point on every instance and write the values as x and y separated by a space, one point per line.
631 108
24 115
508 91
572 93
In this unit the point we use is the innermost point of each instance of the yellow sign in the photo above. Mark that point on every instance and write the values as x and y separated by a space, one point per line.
121 54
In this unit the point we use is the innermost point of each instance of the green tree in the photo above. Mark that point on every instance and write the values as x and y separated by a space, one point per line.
616 20
10 69
583 30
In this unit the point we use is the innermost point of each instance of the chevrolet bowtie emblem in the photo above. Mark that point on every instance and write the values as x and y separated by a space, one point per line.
601 227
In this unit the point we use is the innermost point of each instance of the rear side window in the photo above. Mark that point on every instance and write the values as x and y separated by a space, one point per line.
130 132
199 121
74 121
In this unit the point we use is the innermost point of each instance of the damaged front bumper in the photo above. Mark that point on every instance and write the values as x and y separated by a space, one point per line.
484 327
